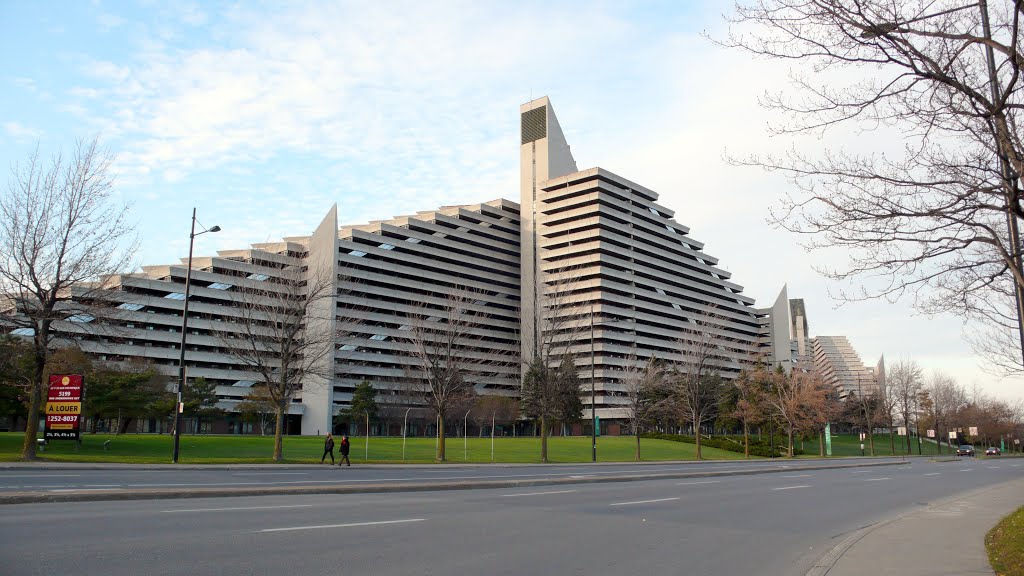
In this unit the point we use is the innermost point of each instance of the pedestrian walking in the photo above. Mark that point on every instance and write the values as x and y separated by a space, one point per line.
344 451
328 448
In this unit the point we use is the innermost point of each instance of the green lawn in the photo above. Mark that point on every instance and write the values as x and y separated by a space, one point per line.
207 449
1005 545
849 445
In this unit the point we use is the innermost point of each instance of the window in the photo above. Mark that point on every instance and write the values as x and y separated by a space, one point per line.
81 318
23 332
130 306
380 337
349 348
220 286
256 276
357 253
175 296
387 247
413 240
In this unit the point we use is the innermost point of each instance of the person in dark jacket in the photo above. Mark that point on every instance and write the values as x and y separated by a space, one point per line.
328 448
344 451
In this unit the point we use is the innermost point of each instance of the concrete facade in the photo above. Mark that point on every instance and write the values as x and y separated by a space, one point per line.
581 246
841 367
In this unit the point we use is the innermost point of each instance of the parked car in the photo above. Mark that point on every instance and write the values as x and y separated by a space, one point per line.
965 450
992 451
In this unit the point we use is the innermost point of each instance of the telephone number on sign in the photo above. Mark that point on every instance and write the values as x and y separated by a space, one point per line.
62 418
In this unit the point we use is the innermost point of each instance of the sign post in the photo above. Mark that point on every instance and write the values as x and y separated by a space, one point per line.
63 407
828 439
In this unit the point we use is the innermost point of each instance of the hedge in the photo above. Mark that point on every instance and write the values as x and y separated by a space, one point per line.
757 447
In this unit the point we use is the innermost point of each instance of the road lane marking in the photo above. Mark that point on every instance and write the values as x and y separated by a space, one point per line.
40 475
993 467
876 479
701 482
862 471
351 525
797 476
270 473
933 473
537 493
643 501
239 508
102 485
793 487
966 469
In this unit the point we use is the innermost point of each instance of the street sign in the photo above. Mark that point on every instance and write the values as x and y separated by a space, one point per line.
1016 440
863 435
973 430
902 431
828 439
952 434
63 407
931 433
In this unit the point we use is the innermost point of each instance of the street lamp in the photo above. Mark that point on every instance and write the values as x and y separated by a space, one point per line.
1006 173
184 332
593 377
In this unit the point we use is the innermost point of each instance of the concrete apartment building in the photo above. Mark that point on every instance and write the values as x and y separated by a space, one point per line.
580 245
785 337
841 367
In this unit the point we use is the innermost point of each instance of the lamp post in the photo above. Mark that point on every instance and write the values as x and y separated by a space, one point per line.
179 407
405 420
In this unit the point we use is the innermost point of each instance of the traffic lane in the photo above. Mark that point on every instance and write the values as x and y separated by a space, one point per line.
22 480
744 512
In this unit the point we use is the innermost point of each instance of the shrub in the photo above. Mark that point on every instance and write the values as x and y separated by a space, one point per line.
757 447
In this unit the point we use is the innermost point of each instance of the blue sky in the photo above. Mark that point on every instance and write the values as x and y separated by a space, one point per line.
264 115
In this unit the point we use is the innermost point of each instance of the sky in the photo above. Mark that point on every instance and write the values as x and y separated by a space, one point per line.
264 115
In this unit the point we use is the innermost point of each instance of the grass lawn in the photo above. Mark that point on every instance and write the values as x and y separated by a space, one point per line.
849 445
1005 545
208 449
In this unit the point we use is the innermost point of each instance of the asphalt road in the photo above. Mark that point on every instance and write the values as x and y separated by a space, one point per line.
763 524
63 478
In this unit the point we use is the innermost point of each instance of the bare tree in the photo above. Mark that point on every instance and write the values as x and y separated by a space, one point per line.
751 385
799 400
904 380
258 408
694 382
281 337
61 234
441 336
644 384
940 220
946 397
562 323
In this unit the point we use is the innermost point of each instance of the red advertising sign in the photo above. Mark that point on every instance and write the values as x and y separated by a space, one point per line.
63 407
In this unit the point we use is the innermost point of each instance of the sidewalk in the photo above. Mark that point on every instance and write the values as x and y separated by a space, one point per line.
946 538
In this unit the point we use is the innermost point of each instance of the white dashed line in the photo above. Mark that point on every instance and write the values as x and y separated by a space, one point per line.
966 469
538 493
793 487
352 525
643 502
240 508
933 473
798 476
876 479
701 482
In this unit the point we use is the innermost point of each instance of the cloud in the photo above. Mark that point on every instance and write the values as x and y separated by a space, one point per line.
19 131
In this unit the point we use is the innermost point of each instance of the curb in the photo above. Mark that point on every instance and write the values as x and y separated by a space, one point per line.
828 560
149 494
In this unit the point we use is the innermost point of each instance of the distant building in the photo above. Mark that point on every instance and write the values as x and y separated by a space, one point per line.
785 339
840 366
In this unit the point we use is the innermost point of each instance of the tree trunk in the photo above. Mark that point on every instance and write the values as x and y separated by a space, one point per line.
696 437
543 440
909 450
279 414
871 441
892 442
746 441
821 444
35 396
440 439
789 435
637 457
